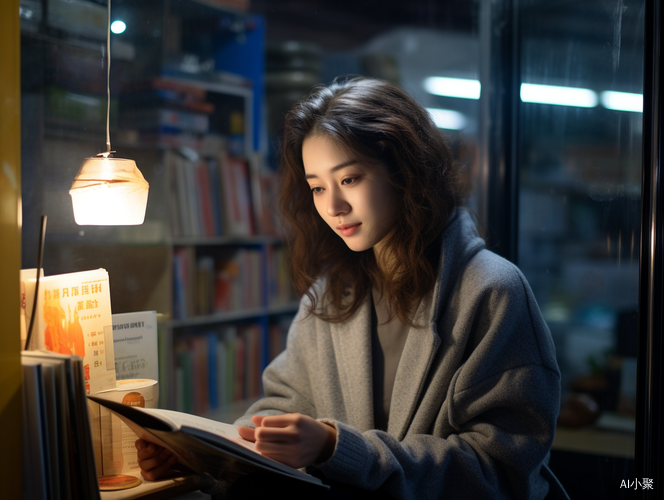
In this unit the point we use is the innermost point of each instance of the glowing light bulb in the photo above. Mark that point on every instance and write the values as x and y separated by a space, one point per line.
118 27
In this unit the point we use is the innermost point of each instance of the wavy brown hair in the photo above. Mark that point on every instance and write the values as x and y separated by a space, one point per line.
374 122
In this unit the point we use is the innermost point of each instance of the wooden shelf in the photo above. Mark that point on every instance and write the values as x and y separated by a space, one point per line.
228 316
226 240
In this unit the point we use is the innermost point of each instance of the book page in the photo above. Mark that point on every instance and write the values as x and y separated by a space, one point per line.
179 420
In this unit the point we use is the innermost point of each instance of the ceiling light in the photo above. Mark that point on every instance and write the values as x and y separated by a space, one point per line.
453 87
447 119
622 101
560 96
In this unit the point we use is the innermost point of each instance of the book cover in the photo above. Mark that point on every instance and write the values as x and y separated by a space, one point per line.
36 445
203 445
135 342
73 316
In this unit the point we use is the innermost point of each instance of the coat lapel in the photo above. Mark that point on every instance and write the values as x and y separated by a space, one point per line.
352 340
460 243
416 359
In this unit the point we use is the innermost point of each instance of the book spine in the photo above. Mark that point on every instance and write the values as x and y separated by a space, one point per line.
180 167
222 399
240 367
205 199
214 185
212 361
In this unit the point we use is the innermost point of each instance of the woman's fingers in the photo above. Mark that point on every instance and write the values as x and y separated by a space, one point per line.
257 420
247 433
282 420
158 467
294 439
147 450
153 460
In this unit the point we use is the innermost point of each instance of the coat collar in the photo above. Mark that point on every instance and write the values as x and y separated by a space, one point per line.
352 338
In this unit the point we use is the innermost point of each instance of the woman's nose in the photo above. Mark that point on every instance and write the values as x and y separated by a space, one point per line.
337 204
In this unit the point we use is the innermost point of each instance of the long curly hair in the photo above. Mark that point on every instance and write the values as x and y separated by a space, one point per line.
374 122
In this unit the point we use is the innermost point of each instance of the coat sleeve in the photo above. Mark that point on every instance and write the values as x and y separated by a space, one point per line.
495 427
497 452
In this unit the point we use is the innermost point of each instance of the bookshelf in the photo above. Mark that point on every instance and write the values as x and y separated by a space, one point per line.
186 95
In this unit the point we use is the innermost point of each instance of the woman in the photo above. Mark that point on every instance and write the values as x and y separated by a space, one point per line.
418 365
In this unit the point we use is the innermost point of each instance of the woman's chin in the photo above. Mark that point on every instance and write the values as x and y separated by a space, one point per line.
356 246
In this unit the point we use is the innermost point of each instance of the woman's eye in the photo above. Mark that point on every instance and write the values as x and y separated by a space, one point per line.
317 190
349 180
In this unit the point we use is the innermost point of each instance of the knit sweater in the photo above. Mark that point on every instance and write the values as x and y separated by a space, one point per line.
476 394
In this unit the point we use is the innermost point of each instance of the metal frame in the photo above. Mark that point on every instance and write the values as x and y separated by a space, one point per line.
499 104
648 444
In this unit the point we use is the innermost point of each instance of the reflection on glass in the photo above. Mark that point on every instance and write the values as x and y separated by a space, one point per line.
579 199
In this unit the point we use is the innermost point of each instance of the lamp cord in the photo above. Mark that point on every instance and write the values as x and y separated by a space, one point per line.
108 80
40 258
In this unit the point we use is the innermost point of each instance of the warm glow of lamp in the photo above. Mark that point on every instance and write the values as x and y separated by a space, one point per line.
109 191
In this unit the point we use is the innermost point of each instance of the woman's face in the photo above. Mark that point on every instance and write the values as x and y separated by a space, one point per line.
355 200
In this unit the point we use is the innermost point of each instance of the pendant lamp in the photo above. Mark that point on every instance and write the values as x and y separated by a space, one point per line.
109 191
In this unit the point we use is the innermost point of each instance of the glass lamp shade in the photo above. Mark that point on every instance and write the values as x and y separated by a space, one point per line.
109 192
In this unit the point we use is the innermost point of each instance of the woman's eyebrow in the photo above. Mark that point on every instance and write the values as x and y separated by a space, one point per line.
334 169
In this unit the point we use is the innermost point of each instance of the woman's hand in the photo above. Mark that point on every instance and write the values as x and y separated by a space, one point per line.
292 439
154 461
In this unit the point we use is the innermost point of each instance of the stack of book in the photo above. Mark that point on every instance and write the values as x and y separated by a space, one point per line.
58 452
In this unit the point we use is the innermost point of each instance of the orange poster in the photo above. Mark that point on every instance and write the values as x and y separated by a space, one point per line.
73 316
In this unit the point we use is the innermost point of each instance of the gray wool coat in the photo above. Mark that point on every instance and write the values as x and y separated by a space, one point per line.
476 394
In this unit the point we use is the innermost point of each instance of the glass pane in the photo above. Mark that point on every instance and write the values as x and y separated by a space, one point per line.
195 84
579 182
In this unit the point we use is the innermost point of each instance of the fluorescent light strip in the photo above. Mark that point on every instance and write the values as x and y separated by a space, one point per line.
447 119
453 87
622 101
542 94
560 96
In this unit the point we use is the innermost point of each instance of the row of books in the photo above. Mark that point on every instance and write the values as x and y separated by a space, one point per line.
211 197
232 279
59 459
216 369
229 281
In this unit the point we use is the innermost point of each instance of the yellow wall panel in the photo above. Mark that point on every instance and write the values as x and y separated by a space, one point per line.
10 250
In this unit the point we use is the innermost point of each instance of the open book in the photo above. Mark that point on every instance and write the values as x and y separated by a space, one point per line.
205 446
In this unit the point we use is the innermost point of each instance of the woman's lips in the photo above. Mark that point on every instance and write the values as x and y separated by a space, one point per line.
347 230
